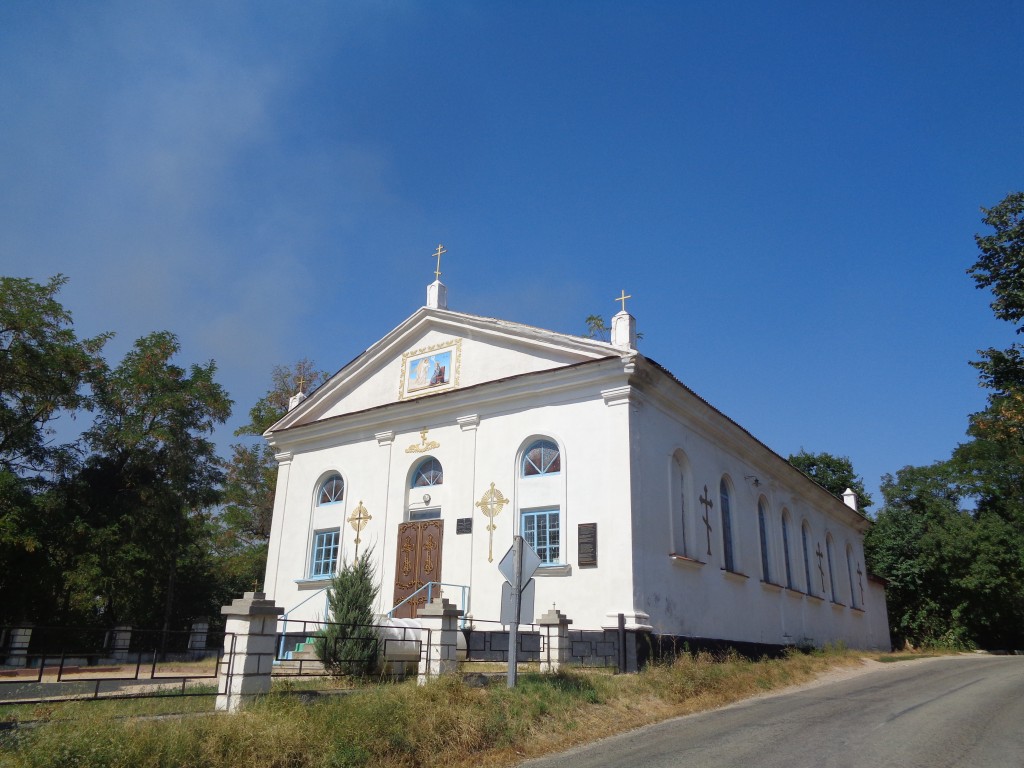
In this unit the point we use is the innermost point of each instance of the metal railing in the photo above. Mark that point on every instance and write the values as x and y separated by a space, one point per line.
429 588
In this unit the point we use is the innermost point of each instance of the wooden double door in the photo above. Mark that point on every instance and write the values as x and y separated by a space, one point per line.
419 562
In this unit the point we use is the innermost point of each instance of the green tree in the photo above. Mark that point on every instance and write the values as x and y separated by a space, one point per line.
833 473
252 477
43 367
146 490
44 370
349 645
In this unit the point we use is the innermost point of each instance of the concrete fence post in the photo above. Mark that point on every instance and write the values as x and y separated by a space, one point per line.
440 645
248 658
17 654
121 640
559 649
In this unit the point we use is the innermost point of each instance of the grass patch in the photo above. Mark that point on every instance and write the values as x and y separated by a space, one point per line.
445 723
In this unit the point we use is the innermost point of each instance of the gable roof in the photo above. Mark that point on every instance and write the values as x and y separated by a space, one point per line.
518 347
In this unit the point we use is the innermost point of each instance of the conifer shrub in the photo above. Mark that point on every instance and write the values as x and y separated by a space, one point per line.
348 644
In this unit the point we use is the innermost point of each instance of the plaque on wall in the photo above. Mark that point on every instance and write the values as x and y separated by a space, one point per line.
587 542
464 525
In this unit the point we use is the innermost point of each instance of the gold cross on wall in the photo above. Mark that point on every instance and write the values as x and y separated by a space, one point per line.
623 298
440 252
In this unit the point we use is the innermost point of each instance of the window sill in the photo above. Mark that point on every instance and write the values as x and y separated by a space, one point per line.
816 597
554 570
857 611
320 582
837 606
771 586
796 594
734 575
684 560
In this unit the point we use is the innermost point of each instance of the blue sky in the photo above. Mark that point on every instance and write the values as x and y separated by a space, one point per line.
789 191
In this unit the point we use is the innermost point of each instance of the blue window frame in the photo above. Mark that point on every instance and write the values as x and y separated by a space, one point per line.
762 524
541 530
807 558
542 458
428 473
325 553
785 550
332 490
723 493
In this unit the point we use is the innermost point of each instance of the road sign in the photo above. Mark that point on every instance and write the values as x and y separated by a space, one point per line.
531 561
526 601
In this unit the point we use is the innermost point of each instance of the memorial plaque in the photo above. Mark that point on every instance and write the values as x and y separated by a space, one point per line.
464 525
587 542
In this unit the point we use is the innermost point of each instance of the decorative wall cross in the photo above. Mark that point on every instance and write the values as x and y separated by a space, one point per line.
441 250
623 298
358 520
708 504
860 584
491 504
819 554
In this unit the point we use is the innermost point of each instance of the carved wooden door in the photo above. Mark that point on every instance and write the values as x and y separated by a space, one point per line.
419 561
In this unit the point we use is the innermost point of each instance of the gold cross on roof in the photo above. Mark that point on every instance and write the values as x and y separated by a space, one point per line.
623 298
441 250
302 382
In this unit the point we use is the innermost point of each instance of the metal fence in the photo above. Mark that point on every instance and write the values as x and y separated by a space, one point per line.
87 663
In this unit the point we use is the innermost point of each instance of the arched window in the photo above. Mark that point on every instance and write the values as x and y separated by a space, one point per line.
723 493
428 473
542 458
849 573
785 549
762 527
679 510
332 490
805 536
831 570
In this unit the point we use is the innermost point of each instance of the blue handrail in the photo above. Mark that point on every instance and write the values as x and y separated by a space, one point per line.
429 587
284 620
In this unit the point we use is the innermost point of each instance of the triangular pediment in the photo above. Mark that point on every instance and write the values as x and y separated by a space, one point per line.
435 351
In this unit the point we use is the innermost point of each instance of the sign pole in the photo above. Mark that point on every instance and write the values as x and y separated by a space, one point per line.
517 598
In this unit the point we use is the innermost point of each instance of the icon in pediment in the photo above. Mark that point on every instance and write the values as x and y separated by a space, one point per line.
431 369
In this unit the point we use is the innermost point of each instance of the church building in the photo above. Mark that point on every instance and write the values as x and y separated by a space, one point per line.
454 433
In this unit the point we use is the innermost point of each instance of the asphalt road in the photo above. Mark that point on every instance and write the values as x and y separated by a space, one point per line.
930 713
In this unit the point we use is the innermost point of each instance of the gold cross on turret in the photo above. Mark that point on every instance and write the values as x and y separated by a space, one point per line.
623 298
302 382
441 250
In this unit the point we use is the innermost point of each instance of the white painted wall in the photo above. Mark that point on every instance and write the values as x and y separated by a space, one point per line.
618 432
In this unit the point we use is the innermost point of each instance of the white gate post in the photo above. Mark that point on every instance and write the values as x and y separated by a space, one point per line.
558 648
439 649
249 643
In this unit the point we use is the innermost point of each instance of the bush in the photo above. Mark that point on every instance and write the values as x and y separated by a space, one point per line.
349 645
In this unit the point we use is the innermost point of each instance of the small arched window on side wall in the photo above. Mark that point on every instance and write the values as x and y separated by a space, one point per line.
541 458
428 473
727 553
785 549
680 509
805 541
762 529
849 572
831 571
332 490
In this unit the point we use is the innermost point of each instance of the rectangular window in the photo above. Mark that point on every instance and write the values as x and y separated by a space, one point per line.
541 530
325 553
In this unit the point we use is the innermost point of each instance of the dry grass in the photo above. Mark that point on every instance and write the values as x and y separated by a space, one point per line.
445 723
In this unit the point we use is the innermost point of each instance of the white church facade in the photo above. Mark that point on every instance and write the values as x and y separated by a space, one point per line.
454 433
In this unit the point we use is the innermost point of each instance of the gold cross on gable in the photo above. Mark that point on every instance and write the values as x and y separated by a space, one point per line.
301 382
441 250
623 298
